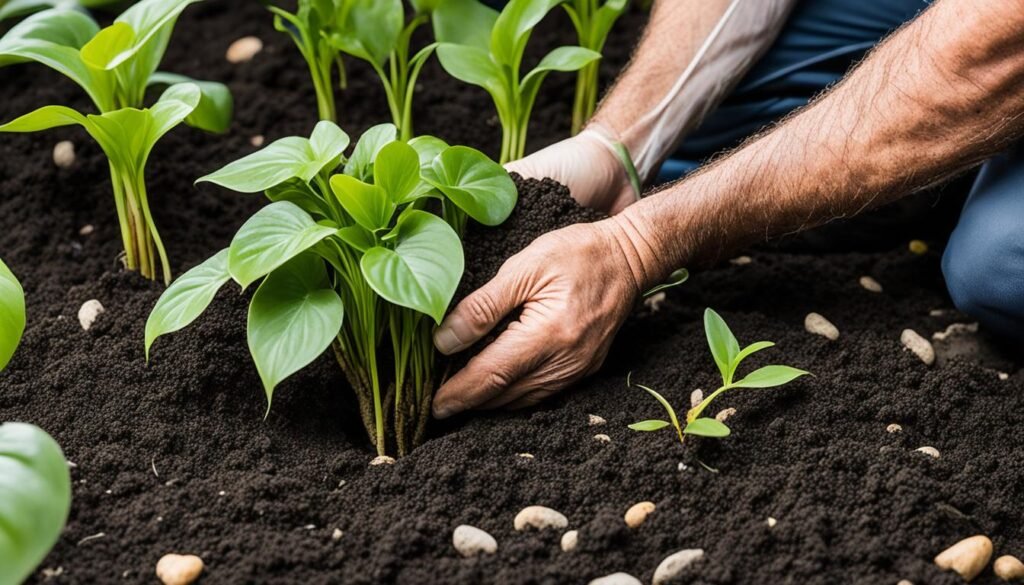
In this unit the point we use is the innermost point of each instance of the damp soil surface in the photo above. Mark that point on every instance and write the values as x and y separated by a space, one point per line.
176 456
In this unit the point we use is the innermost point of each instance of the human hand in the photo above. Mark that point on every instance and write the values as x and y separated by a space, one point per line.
588 166
575 286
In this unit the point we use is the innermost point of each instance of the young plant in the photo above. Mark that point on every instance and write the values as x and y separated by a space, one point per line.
494 61
35 497
727 355
592 20
16 8
310 28
12 314
114 66
363 254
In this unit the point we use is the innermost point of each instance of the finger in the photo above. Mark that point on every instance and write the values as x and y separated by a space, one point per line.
527 400
499 366
479 312
524 386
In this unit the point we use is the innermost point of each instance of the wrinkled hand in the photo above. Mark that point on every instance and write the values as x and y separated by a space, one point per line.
575 286
586 165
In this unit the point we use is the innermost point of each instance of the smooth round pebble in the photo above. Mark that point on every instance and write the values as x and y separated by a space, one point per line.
86 230
696 397
725 414
470 541
819 325
595 421
870 284
244 49
382 460
175 569
967 557
905 582
337 534
638 513
771 522
741 260
1008 568
539 517
570 540
617 579
88 313
257 140
64 154
893 428
918 247
930 451
675 563
921 347
602 438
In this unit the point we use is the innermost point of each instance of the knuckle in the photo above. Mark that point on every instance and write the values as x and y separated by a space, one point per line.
482 308
497 379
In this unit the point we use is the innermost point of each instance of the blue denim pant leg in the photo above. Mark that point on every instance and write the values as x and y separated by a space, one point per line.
984 259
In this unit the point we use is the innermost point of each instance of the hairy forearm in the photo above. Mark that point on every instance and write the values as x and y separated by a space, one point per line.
941 95
692 54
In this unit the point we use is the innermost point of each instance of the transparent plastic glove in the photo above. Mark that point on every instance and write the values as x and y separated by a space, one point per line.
588 165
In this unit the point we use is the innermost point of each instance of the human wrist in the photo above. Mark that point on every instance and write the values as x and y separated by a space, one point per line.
638 248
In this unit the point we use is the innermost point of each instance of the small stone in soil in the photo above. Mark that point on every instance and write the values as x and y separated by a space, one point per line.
1008 568
88 313
771 522
675 563
1003 376
905 582
967 557
595 421
741 260
616 579
175 569
893 428
257 140
637 513
539 517
954 330
382 460
870 284
930 451
725 414
696 397
244 49
654 301
920 346
602 438
525 455
337 534
86 230
64 154
918 247
569 540
470 541
819 325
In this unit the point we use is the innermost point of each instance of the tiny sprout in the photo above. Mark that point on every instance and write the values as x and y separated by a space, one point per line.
727 355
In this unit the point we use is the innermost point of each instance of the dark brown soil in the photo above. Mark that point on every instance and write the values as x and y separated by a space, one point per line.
176 456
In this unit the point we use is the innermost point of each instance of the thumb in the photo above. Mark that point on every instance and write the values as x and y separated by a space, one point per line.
478 313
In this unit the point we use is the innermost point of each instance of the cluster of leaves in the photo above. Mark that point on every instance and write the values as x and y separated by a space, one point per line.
114 66
15 8
725 350
35 497
361 259
491 57
593 21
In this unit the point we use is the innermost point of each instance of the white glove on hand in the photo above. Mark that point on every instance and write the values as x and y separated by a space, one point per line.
588 165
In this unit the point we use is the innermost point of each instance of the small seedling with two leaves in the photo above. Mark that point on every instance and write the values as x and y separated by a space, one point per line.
728 356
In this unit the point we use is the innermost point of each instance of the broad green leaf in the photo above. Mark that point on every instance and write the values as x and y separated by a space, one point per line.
360 164
722 342
358 237
664 403
45 118
370 29
513 27
427 147
302 194
675 279
604 19
747 352
769 377
12 314
649 425
561 59
61 26
707 427
287 158
272 236
294 316
107 45
35 497
423 270
464 22
216 106
148 19
397 171
368 204
187 298
476 184
471 65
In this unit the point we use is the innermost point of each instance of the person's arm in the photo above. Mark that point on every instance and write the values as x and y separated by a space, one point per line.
942 94
692 53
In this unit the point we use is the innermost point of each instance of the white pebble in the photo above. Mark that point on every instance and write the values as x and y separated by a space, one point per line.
86 230
257 140
337 534
88 313
675 563
870 284
725 414
741 260
696 397
819 325
64 154
637 513
1008 568
655 301
595 421
771 522
525 455
602 438
1003 376
539 517
570 540
893 428
921 347
967 557
244 49
905 582
616 579
175 569
955 329
382 460
930 451
470 541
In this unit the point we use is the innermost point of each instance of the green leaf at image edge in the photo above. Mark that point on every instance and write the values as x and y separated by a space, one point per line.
649 425
707 427
12 314
187 298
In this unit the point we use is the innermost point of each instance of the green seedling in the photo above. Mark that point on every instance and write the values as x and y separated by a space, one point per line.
12 314
593 21
493 61
16 8
35 497
360 253
114 66
310 28
727 355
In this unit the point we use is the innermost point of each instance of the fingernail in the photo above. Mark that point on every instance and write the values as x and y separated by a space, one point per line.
446 341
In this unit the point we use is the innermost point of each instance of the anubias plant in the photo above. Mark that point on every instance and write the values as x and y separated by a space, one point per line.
114 66
728 356
35 497
12 314
493 62
593 20
360 253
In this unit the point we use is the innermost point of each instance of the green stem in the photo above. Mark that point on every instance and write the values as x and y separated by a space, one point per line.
696 411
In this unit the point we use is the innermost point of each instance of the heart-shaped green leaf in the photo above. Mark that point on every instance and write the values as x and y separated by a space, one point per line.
370 29
649 425
475 183
471 65
423 270
360 164
187 298
35 496
397 170
216 106
294 316
368 204
707 427
272 236
12 314
427 148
